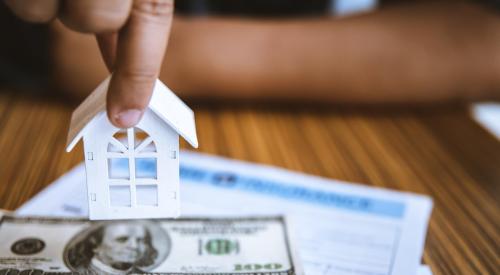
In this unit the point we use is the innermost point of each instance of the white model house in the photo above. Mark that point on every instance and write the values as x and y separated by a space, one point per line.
133 173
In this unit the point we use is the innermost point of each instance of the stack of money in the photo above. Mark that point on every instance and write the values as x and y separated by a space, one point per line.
253 245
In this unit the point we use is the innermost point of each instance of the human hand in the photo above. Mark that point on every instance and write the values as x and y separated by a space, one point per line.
132 36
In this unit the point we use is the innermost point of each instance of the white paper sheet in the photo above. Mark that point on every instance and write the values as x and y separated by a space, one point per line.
424 270
340 228
488 115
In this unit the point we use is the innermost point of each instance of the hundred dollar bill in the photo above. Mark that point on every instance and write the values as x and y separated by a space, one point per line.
257 245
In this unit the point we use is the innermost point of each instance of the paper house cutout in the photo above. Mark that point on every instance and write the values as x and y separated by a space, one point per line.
133 173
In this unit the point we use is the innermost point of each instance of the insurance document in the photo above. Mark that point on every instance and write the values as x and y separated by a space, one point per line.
340 228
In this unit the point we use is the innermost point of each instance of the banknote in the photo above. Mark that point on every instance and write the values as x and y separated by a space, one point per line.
250 245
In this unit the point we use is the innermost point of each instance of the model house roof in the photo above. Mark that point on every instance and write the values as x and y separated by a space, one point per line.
164 103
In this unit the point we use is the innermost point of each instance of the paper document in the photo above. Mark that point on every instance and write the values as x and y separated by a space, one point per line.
488 115
424 270
341 228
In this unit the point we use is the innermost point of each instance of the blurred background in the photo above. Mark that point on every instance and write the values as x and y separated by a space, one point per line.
337 51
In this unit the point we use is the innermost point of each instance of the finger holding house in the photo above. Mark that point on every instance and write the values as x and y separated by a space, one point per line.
134 172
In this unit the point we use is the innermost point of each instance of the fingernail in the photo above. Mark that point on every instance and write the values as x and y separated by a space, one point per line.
128 118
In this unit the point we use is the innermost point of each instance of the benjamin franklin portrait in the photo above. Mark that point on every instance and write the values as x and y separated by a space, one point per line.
119 247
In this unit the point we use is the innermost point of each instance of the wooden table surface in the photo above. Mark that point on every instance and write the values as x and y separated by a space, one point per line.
438 151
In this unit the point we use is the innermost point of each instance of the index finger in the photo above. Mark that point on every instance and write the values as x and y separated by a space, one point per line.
140 50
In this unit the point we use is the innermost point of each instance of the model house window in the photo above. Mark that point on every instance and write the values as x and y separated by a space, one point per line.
132 169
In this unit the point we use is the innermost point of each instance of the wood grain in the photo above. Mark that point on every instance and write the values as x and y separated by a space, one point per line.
438 151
